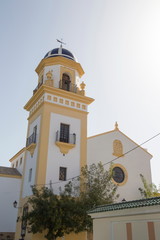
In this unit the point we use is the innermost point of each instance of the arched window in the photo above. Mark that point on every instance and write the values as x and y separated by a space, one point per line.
117 148
66 82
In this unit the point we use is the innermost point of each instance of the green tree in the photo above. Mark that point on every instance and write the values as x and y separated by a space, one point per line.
94 187
61 214
50 213
149 189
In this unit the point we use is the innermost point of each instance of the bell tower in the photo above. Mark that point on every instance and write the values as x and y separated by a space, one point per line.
57 124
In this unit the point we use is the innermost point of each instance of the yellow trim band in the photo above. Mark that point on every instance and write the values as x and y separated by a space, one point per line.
10 176
56 91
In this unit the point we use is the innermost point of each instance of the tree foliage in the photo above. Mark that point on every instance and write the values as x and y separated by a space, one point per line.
94 187
61 214
51 213
148 190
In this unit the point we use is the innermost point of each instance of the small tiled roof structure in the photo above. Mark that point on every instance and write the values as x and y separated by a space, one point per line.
125 205
9 171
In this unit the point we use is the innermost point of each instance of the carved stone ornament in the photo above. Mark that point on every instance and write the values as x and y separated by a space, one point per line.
65 147
49 75
31 148
49 80
83 85
117 148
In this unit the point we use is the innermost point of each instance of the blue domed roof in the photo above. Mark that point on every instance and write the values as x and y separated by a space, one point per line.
62 52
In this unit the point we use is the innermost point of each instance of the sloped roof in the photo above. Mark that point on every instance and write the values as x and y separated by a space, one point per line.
125 205
17 154
9 171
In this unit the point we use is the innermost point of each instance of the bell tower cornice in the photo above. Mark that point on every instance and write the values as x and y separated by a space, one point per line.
60 61
57 95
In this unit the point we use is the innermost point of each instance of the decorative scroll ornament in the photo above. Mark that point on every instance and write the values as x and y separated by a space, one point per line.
117 148
49 80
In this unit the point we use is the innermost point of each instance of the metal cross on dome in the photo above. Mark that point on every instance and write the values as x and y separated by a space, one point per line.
61 42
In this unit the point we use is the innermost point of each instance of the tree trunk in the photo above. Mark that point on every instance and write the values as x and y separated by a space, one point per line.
50 236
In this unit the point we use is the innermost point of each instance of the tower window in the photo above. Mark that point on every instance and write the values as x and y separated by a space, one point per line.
66 82
30 175
62 173
64 133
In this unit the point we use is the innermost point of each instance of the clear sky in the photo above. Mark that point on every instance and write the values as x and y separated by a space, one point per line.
117 43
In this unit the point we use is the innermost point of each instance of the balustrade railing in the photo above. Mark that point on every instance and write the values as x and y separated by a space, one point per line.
70 138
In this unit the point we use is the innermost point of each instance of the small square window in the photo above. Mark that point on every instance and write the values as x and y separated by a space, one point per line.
78 105
62 173
55 99
49 97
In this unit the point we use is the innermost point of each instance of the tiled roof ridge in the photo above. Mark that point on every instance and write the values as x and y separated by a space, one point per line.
128 204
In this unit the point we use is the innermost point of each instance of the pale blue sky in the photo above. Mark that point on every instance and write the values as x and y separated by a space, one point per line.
118 46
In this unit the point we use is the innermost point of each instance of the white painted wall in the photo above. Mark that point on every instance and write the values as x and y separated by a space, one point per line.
55 69
100 148
112 225
55 158
31 162
17 160
9 192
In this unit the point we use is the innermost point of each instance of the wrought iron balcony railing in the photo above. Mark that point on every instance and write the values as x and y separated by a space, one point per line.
31 139
68 87
71 138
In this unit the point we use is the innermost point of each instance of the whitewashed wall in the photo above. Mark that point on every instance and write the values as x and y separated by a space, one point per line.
16 163
9 192
55 158
100 148
55 69
31 161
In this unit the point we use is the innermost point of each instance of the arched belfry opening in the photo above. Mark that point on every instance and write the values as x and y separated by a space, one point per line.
66 82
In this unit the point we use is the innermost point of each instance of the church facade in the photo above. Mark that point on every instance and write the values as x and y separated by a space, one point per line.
57 145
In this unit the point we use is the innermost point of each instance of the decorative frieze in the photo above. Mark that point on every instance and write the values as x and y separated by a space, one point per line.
60 101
